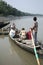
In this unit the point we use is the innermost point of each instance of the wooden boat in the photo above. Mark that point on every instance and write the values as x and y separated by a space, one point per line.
2 24
4 31
28 46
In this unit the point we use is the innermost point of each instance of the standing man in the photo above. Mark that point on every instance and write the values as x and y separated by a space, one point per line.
35 28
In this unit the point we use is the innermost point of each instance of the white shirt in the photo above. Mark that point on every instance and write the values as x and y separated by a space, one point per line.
23 34
12 33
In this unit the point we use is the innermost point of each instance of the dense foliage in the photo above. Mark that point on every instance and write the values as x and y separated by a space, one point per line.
6 9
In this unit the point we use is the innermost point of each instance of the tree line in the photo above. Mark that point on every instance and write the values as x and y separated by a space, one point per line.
6 9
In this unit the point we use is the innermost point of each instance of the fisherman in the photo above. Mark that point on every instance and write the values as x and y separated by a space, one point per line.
35 28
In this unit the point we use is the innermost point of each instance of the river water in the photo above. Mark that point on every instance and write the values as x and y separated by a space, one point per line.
10 53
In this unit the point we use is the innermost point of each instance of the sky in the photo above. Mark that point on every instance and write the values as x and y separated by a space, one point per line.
30 6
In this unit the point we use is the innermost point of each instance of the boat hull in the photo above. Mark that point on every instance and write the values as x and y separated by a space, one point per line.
28 47
2 24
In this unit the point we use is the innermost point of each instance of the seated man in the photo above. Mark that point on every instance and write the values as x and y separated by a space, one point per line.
28 35
23 34
16 34
12 32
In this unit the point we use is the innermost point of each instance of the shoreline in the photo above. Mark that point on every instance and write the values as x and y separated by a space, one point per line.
10 17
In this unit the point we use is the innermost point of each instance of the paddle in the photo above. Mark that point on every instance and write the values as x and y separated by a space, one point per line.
35 50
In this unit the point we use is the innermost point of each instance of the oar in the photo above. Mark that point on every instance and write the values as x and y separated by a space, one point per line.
35 50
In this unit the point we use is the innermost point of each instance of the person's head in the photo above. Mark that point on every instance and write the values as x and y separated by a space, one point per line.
23 28
16 31
30 29
35 18
14 24
12 27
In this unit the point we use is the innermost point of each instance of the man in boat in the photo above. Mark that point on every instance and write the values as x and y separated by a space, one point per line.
23 33
16 34
12 31
28 34
35 28
13 25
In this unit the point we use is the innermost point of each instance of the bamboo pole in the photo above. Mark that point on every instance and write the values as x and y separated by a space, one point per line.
35 51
